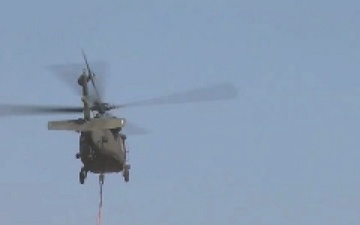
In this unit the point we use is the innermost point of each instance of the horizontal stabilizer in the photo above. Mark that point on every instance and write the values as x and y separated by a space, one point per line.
82 125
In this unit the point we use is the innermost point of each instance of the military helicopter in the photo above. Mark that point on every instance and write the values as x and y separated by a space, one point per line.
102 147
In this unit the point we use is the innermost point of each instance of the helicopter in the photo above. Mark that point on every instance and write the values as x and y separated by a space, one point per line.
102 141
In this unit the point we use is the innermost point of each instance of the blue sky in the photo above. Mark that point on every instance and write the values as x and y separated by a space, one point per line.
286 151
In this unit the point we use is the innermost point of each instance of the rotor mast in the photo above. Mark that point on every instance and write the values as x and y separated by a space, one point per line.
82 81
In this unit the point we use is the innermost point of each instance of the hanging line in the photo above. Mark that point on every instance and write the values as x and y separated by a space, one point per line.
101 183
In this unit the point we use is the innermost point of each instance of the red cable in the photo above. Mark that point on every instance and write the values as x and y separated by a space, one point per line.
99 217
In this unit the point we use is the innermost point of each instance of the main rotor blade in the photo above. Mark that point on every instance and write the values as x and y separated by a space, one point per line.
133 129
69 74
91 74
11 109
222 91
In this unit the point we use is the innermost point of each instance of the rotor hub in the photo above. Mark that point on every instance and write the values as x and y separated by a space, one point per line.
83 79
101 107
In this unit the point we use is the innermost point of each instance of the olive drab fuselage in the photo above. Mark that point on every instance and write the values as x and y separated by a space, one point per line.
103 151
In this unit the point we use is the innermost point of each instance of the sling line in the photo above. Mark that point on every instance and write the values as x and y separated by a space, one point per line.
101 183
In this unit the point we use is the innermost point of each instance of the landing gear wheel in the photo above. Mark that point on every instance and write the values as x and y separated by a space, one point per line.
82 176
126 173
126 176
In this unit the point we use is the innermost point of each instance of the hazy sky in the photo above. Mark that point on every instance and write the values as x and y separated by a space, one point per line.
286 151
